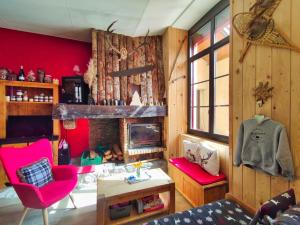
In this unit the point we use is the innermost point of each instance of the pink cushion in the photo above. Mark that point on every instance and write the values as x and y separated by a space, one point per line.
85 169
56 191
195 171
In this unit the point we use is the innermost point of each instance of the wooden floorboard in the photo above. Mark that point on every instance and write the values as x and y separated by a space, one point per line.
10 215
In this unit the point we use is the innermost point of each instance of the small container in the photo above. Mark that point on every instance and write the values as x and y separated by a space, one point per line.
8 98
120 210
31 100
19 93
36 98
41 75
51 100
13 98
25 96
41 98
48 78
19 99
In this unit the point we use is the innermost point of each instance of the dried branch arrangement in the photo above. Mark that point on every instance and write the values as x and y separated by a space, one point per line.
258 27
262 93
90 78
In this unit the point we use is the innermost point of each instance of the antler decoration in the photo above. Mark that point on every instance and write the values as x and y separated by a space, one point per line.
123 53
204 160
258 27
262 93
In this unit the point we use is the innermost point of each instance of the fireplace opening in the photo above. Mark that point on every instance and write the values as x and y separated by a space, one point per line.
141 135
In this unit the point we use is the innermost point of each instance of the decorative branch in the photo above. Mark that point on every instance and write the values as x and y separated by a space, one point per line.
262 93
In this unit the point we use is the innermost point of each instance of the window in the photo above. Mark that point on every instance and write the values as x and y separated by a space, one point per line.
209 74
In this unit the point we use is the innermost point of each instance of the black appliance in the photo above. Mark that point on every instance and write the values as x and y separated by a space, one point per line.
74 90
144 135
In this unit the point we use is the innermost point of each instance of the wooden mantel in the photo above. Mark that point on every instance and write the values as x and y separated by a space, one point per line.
69 112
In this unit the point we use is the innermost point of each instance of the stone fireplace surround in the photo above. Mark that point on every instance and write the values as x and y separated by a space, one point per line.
108 125
115 131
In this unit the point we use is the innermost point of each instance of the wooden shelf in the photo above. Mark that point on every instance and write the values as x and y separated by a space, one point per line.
134 216
69 111
27 84
25 103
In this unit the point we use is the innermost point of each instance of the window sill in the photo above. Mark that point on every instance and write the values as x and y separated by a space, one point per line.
214 138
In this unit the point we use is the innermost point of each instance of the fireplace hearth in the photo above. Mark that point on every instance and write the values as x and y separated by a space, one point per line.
138 138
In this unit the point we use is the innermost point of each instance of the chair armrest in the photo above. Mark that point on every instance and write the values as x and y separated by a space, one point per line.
29 195
64 172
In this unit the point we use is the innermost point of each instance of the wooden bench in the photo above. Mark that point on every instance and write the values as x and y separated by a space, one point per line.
194 192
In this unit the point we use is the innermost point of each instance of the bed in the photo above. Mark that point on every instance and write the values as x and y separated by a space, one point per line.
222 212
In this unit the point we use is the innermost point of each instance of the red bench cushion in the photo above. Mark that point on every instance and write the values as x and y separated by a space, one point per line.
196 172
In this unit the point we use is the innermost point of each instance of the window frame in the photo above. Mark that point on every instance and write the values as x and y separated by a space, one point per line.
209 17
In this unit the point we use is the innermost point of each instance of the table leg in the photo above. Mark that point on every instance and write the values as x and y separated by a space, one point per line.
101 210
172 198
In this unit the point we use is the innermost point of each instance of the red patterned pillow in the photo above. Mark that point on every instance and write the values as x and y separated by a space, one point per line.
276 205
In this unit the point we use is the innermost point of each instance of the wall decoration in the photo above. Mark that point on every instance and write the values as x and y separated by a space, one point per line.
123 52
69 124
258 27
136 99
262 93
120 74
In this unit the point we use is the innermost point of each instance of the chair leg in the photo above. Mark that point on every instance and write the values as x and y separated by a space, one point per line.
25 210
45 216
72 200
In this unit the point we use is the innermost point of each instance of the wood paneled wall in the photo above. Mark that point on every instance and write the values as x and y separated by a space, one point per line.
281 68
176 122
150 85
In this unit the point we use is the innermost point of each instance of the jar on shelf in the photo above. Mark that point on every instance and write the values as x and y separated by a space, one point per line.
25 96
13 98
36 98
41 75
19 93
48 78
3 73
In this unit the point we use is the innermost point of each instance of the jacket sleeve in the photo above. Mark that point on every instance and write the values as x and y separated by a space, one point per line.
239 146
284 156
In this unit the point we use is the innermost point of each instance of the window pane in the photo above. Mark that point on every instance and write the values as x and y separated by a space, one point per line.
222 61
200 118
221 124
200 69
200 94
222 25
201 39
222 91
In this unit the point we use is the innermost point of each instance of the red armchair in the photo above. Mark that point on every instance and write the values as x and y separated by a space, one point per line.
65 177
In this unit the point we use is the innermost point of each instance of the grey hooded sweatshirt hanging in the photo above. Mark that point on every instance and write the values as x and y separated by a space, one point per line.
264 145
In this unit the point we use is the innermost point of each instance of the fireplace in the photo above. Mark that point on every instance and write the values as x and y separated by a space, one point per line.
141 135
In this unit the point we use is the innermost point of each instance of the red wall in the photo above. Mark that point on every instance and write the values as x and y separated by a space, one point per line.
57 56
